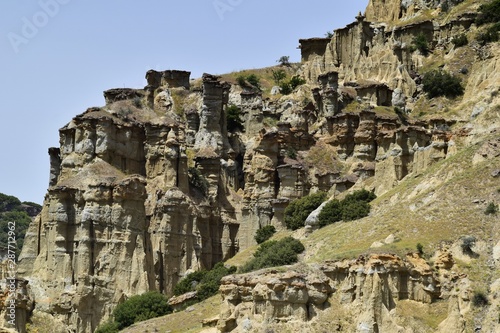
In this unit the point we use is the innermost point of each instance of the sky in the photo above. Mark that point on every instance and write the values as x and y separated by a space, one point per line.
58 56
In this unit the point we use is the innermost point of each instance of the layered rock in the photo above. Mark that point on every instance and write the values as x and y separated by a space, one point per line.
369 288
154 185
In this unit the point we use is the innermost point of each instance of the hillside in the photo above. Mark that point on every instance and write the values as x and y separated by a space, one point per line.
173 178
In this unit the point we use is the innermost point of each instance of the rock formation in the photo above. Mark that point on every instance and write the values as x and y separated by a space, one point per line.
153 184
369 288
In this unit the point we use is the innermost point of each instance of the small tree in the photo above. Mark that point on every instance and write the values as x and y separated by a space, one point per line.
489 13
233 116
249 81
278 76
298 210
264 233
331 213
254 80
197 180
275 253
141 307
440 83
420 248
460 40
284 61
468 243
479 299
329 34
287 87
420 43
491 209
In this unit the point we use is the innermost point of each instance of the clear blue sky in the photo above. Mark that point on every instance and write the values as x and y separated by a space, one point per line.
58 56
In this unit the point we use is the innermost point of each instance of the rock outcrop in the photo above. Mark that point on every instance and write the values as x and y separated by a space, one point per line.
154 184
368 288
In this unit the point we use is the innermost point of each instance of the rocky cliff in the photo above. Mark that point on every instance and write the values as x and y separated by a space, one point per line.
368 289
154 184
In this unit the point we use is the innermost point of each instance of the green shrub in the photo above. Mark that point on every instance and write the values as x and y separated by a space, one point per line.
248 81
491 209
189 283
445 7
491 35
109 327
361 195
489 13
331 213
420 248
298 210
296 81
291 153
460 40
205 283
439 83
137 101
278 76
287 87
353 207
233 117
275 253
141 307
209 284
264 233
467 243
197 180
420 43
254 80
284 60
354 210
479 299
242 82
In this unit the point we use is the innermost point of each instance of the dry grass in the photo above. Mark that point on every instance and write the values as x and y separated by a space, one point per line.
425 315
430 208
264 74
183 321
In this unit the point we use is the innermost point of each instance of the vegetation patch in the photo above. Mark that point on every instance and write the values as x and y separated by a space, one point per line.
233 116
135 309
275 253
14 221
205 283
489 13
491 209
287 87
197 180
298 210
479 299
460 40
439 83
353 207
248 81
420 43
264 233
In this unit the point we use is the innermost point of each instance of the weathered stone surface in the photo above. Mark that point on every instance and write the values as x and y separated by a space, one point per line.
153 185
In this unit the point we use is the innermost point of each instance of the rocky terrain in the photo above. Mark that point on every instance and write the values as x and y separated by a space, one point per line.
155 184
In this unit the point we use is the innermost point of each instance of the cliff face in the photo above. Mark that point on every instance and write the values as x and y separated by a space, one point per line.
154 185
361 295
